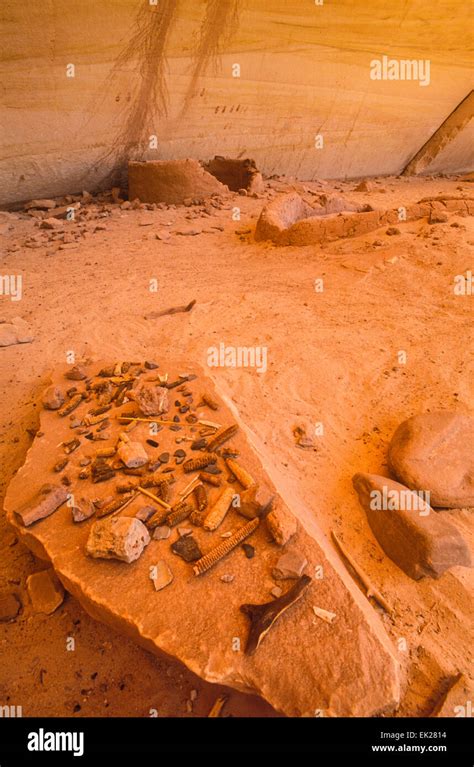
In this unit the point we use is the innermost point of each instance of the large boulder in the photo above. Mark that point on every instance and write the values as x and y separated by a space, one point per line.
420 541
434 451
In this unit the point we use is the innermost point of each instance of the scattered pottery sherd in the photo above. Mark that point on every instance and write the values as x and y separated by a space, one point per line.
45 591
420 541
9 607
290 565
262 617
133 454
145 513
150 398
53 398
121 538
49 498
187 548
162 575
434 452
281 524
161 533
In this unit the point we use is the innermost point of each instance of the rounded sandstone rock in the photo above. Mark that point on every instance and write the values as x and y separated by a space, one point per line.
53 398
433 452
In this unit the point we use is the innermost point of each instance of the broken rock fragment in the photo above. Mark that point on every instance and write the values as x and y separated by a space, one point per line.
133 455
76 373
251 502
150 398
145 513
42 204
420 541
434 452
281 524
53 398
15 332
290 565
45 591
9 607
49 498
122 538
83 510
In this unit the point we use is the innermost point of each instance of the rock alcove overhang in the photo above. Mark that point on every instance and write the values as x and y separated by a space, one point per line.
304 665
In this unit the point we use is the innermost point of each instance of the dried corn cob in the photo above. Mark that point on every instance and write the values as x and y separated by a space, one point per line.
194 464
164 491
221 436
219 552
105 452
200 496
179 513
125 487
219 510
158 518
71 405
197 518
209 401
93 420
161 480
211 479
115 506
245 479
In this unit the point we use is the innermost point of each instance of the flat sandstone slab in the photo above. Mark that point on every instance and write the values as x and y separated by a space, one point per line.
303 666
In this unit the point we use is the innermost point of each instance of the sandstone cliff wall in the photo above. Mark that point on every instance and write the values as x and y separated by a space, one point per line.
166 70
